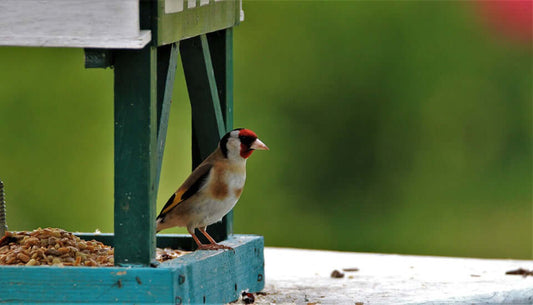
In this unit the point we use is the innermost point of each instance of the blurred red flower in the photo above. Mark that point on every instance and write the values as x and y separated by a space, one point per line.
511 18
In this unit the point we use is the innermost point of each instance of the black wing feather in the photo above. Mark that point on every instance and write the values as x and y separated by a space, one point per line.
196 186
193 189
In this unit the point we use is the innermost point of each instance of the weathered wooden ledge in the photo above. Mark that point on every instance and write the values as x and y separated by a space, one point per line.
304 277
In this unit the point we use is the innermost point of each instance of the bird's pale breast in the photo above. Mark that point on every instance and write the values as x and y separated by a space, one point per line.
224 192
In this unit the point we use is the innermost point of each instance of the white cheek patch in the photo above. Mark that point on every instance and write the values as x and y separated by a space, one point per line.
234 144
234 147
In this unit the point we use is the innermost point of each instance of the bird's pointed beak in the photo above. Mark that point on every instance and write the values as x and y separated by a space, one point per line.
258 145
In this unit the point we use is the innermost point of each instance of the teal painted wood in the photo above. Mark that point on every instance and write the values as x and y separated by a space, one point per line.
83 284
217 277
199 277
210 118
135 155
167 61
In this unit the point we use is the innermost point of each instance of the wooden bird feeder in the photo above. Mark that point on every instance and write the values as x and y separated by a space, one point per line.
141 40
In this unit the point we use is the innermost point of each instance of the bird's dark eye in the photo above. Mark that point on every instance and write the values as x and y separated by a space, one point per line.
247 140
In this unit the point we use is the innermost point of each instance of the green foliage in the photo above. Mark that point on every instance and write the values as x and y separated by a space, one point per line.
393 127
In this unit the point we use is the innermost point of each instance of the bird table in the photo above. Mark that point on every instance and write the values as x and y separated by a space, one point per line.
141 41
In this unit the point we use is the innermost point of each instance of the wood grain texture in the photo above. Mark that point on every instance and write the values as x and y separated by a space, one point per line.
219 276
77 42
216 277
72 23
135 155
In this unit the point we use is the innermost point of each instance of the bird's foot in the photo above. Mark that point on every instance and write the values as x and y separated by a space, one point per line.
214 247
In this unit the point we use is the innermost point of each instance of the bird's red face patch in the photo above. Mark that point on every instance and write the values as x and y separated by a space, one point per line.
247 137
245 151
247 133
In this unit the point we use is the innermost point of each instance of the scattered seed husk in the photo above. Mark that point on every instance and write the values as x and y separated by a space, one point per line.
165 254
337 274
520 271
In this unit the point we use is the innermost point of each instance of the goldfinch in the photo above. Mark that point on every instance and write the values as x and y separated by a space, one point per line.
212 189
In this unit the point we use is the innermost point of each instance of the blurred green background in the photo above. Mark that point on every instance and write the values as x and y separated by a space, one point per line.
398 127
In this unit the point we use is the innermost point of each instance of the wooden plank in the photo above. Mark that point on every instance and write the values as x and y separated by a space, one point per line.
175 25
167 61
71 23
108 42
304 276
111 23
83 284
219 276
135 155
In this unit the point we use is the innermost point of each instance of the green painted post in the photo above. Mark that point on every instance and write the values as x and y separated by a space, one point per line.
211 105
135 155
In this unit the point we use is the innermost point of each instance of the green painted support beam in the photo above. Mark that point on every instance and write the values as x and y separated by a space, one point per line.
135 155
211 119
167 61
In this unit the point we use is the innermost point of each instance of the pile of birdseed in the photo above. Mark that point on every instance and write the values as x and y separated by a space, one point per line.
57 247
53 247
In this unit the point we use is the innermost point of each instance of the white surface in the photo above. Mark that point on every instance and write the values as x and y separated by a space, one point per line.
78 42
173 6
71 23
303 276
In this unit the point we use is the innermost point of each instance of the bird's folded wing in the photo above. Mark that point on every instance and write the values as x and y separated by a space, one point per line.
190 187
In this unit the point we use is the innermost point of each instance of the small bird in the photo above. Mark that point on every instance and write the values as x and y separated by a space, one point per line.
212 189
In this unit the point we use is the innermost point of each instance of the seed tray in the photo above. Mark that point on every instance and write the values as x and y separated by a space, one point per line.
199 277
